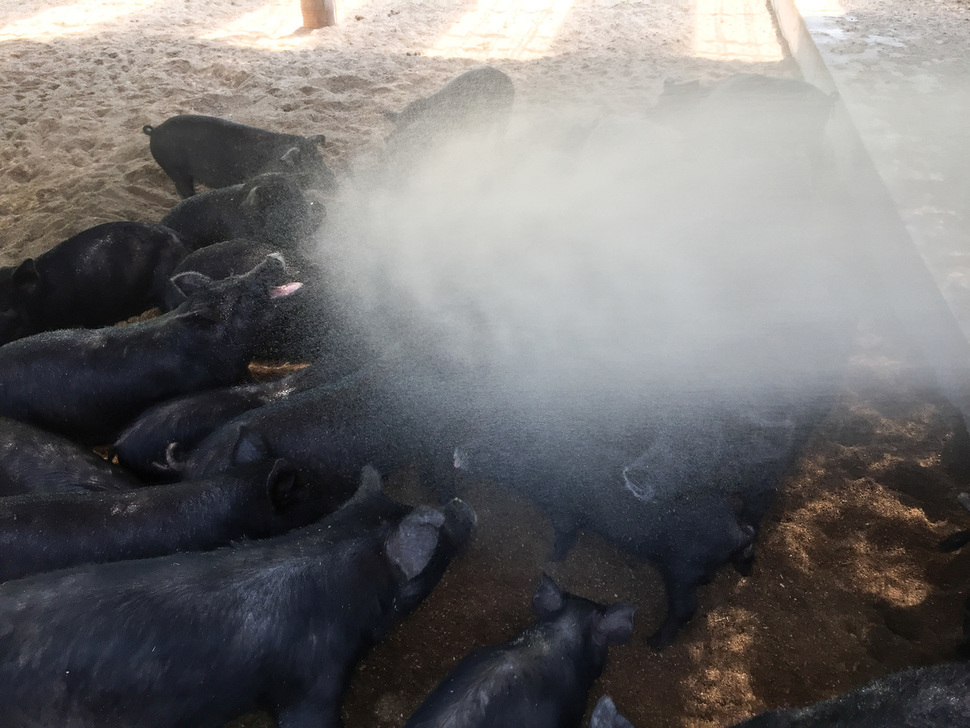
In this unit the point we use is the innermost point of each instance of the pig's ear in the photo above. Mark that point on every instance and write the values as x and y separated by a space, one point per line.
605 715
411 545
250 447
547 599
190 282
616 626
291 157
25 274
318 139
282 486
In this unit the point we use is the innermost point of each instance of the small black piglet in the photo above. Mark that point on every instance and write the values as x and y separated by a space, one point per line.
146 445
33 460
218 153
541 677
270 208
49 531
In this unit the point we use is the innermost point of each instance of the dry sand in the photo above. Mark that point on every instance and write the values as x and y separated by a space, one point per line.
847 584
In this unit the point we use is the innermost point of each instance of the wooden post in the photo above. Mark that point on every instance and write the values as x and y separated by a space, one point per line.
318 13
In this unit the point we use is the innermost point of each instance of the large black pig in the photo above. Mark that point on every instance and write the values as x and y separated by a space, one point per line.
89 383
928 697
144 446
33 460
218 153
270 208
49 531
100 276
198 639
688 495
541 677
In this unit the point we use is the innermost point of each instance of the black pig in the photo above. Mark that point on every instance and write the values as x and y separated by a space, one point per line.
52 531
100 276
333 430
88 384
475 104
690 502
144 446
301 325
928 697
541 677
605 715
270 208
36 461
479 97
200 638
218 153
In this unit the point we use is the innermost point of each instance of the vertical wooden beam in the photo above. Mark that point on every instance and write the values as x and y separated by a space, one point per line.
318 13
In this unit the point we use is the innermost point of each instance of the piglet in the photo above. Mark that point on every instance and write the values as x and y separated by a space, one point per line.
201 638
148 445
49 531
218 153
88 384
100 276
33 460
541 677
270 208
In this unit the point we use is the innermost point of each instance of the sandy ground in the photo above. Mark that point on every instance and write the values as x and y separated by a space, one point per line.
847 585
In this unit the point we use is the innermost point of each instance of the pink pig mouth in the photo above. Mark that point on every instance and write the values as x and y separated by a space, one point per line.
285 290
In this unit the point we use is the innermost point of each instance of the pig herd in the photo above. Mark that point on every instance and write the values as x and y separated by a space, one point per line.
235 551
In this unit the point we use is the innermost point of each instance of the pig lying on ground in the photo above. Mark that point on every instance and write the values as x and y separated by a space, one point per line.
605 715
690 502
88 384
51 531
270 208
35 461
200 638
99 277
186 421
929 697
218 153
541 677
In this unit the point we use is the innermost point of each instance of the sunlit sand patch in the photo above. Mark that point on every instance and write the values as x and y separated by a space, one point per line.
270 27
514 29
735 30
78 17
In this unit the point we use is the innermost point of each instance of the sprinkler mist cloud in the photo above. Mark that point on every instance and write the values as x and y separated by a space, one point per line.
604 267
